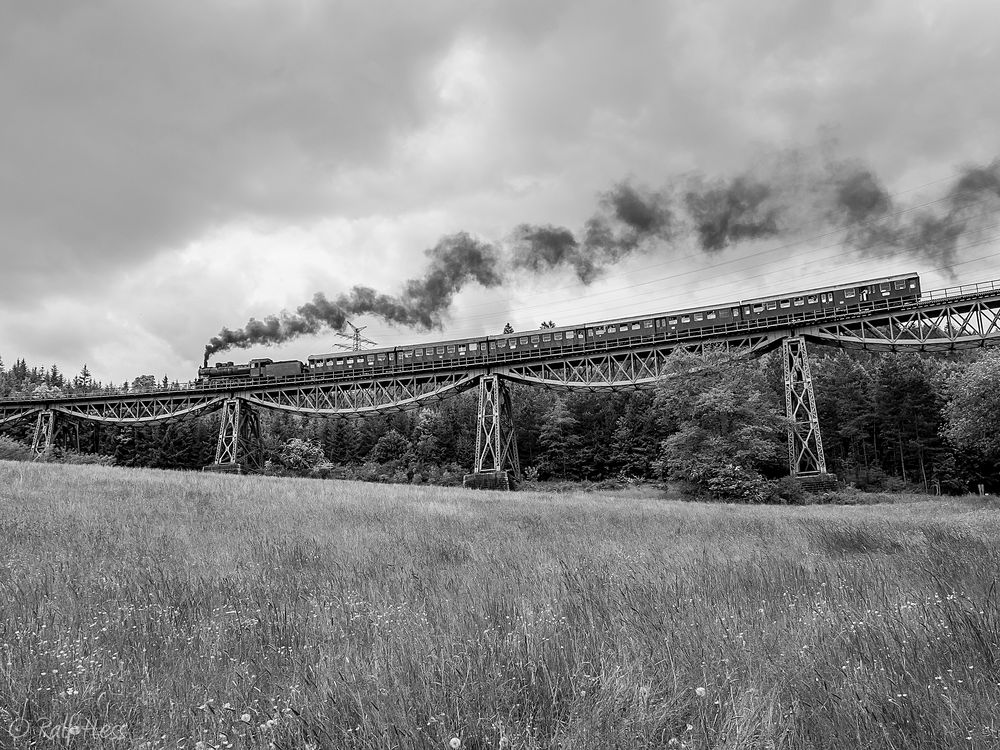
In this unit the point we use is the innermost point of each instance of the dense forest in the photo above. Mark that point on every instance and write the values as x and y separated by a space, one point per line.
715 423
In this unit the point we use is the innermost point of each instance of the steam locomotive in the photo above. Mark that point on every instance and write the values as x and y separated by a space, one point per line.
759 313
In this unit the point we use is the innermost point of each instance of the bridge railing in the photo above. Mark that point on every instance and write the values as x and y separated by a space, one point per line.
963 290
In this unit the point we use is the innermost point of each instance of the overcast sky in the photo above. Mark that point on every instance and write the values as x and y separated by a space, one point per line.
170 168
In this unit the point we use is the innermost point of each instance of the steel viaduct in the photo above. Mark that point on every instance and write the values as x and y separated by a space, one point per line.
955 318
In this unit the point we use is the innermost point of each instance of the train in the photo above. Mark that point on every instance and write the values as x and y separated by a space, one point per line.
756 313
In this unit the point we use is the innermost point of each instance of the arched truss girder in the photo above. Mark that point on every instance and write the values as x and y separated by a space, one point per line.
935 328
7 419
140 411
625 370
359 398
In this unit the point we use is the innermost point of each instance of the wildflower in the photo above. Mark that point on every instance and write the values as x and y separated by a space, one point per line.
245 718
454 743
700 692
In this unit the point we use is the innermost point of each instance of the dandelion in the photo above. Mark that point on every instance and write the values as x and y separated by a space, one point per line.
454 743
700 692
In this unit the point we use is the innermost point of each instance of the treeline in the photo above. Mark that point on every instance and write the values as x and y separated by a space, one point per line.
715 423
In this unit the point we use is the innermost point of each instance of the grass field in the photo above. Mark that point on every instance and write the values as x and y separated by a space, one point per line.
153 609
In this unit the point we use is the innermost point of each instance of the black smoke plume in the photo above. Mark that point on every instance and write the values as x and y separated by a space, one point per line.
725 213
455 261
628 218
789 195
876 225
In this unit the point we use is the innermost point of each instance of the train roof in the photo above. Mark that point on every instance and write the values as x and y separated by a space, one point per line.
834 287
615 321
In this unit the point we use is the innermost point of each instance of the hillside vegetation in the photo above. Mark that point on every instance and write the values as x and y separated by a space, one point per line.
156 609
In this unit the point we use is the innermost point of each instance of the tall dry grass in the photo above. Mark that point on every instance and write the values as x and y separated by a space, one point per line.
154 609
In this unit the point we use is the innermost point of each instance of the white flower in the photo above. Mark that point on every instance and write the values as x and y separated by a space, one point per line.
245 718
454 743
700 692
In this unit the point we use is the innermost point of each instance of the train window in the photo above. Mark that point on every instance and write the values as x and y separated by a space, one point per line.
546 337
600 331
636 326
647 324
848 292
451 349
885 289
685 318
350 360
570 335
534 339
418 352
699 316
672 321
798 302
440 350
523 340
381 358
461 349
511 343
711 315
408 354
723 313
746 310
913 283
610 329
771 305
758 308
371 359
557 336
474 347
590 333
340 363
493 345
811 299
784 304
736 312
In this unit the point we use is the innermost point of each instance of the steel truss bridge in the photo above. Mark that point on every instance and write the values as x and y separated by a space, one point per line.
960 317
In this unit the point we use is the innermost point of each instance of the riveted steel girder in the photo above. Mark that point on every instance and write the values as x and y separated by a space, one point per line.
10 415
496 447
239 444
943 326
805 444
624 370
365 396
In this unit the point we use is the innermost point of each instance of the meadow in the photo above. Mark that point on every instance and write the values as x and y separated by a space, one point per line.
145 609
